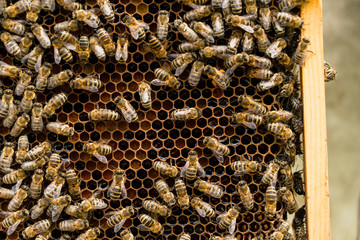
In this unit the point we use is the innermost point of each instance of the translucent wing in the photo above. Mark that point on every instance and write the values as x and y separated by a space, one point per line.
38 63
16 187
6 214
217 24
57 56
231 70
26 57
142 227
91 23
134 33
273 180
70 46
183 170
221 85
118 52
247 28
119 225
2 63
143 25
273 50
232 226
226 4
219 156
181 69
277 25
110 188
57 191
56 214
250 125
106 8
172 56
16 38
194 6
158 82
91 88
267 84
126 115
13 227
95 195
221 216
123 190
209 38
200 169
200 211
111 213
145 97
101 158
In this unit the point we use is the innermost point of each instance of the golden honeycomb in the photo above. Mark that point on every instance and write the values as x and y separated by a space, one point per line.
154 136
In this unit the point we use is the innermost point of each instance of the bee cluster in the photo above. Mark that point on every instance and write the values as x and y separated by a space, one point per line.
210 95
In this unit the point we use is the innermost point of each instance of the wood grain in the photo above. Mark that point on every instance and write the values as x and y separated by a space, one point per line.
315 139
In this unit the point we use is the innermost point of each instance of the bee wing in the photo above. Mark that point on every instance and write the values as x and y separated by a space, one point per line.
126 115
247 28
13 227
142 227
38 64
119 225
110 188
133 32
183 170
209 38
158 82
146 96
52 5
91 23
111 213
217 24
70 46
231 70
250 125
57 191
194 6
106 8
273 50
95 195
16 38
172 56
226 4
2 63
121 52
277 25
267 84
200 211
57 56
101 158
232 226
16 187
56 214
221 216
200 169
143 25
219 156
6 214
273 180
181 69
26 57
91 88
123 190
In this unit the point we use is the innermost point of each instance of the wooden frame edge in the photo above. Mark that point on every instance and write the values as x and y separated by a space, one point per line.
315 137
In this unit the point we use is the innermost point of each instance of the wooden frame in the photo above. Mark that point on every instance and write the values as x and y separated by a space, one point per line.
315 139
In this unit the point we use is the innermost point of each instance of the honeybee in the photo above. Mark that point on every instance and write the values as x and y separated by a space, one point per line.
199 12
279 233
183 197
70 39
281 130
107 10
248 119
10 44
263 41
24 81
13 219
59 79
53 190
252 105
33 59
245 195
48 5
188 33
70 5
6 101
221 79
270 173
298 183
54 165
157 208
93 203
122 46
185 114
23 148
25 44
3 5
219 51
60 128
126 109
14 26
98 150
42 78
33 165
54 103
195 73
36 229
192 167
150 224
96 47
219 150
265 17
89 83
73 225
34 9
279 116
18 198
20 125
6 157
157 47
106 41
73 182
83 49
87 17
260 62
101 114
36 184
234 61
164 191
127 235
61 51
57 206
41 35
27 101
202 208
234 42
245 166
288 236
76 211
271 198
288 5
117 219
284 19
228 219
90 234
163 24
145 94
300 53
274 81
165 168
248 42
204 30
329 72
251 7
7 193
209 188
17 8
38 151
137 28
285 61
117 187
14 110
299 218
289 199
218 25
286 171
242 22
70 25
38 209
236 6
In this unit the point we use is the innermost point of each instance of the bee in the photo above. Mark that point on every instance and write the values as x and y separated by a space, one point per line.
209 188
236 6
73 182
242 22
251 7
6 157
150 224
299 218
14 26
13 219
54 103
219 51
60 128
279 233
195 73
145 94
263 41
260 73
107 42
234 42
164 78
48 5
101 114
218 25
284 19
279 116
90 234
189 34
218 149
285 61
69 38
329 72
157 208
38 209
38 151
27 101
7 70
36 184
14 110
270 173
42 78
288 236
281 130
221 79
204 30
271 198
59 79
117 219
3 5
265 17
245 195
199 12
298 183
126 109
289 199
163 24
34 9
228 219
70 25
57 206
202 208
106 10
17 8
274 81
73 225
185 236
10 44
61 51
276 47
89 83
20 124
6 101
117 187
245 166
248 42
192 167
33 59
23 148
288 5
96 47
35 164
137 28
24 81
25 44
36 229
83 49
76 211
164 191
300 53
7 193
70 5
127 235
87 17
41 35
248 119
286 171
98 150
183 197
234 61
122 46
54 166
18 198
157 47
185 114
165 168
53 190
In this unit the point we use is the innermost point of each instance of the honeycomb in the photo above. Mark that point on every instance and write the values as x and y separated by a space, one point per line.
155 136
